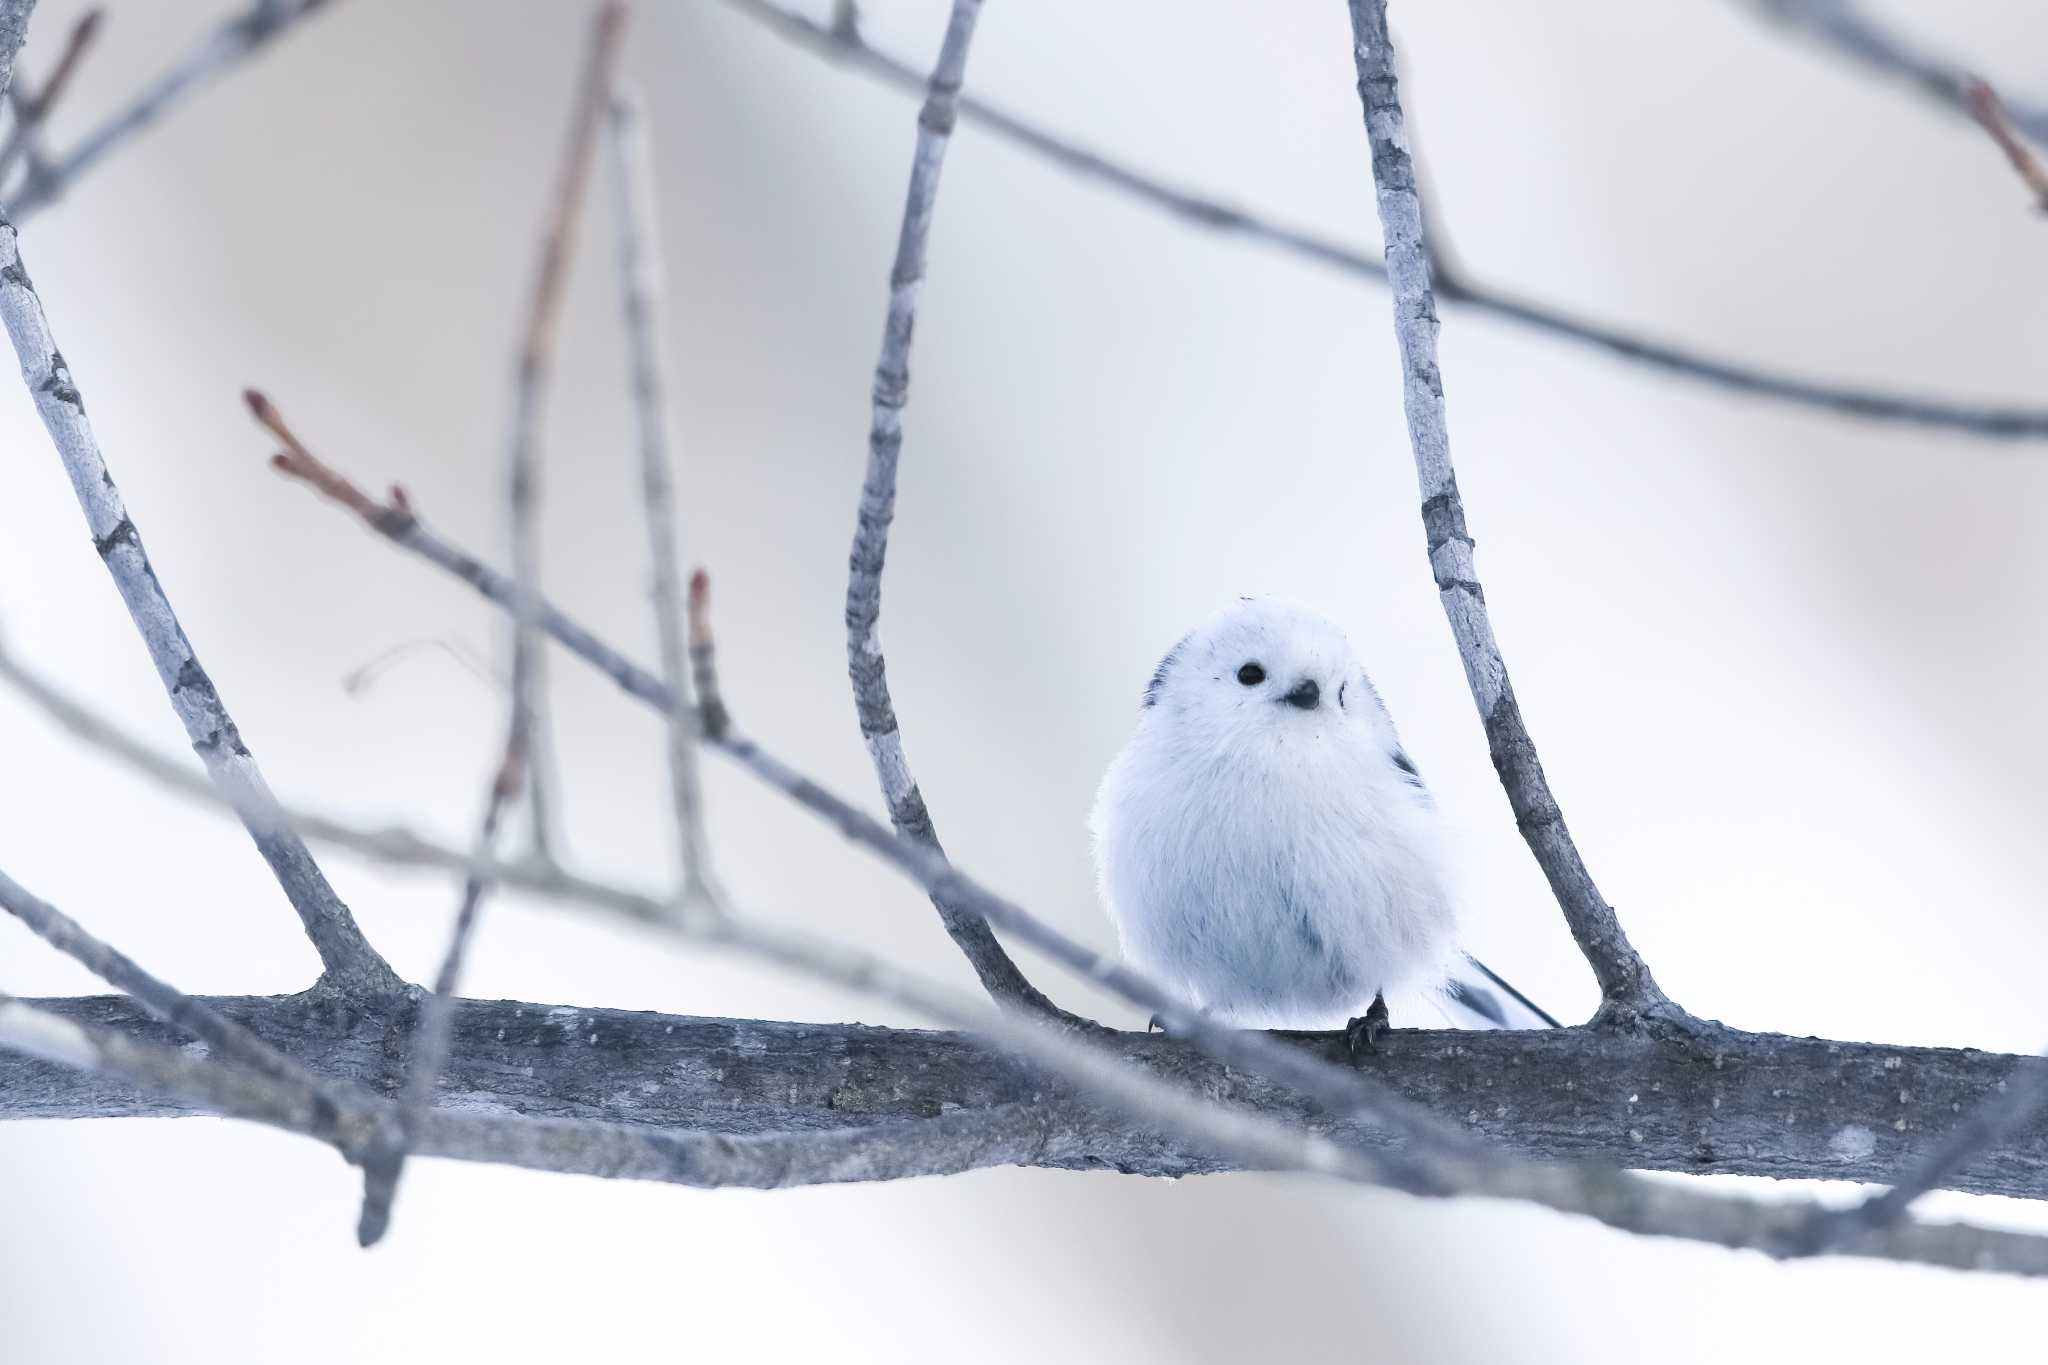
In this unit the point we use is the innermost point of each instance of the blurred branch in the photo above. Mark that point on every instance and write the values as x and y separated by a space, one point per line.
640 279
517 767
222 50
869 671
529 393
1628 990
1991 114
1846 28
350 963
32 110
843 45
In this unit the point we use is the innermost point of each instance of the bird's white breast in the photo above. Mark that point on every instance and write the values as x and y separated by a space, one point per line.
1277 881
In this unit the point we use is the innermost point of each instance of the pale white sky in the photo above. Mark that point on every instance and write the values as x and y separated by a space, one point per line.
1782 667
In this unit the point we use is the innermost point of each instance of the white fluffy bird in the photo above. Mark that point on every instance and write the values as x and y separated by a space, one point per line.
1266 847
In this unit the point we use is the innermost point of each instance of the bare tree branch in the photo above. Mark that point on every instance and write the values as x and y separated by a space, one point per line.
227 1039
1004 1135
640 278
529 394
32 110
843 45
1990 112
701 1084
1990 1125
1433 1159
219 52
879 727
1737 1103
174 1072
350 962
1627 988
383 1165
519 765
14 17
1845 27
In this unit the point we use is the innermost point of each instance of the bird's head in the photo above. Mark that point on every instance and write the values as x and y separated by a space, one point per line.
1262 668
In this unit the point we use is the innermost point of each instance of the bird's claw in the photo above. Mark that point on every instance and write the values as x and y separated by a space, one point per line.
1362 1035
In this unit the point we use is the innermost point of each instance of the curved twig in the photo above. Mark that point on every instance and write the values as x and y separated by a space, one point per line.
1626 985
879 727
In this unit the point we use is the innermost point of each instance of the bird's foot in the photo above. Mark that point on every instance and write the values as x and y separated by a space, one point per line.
1156 1025
1362 1035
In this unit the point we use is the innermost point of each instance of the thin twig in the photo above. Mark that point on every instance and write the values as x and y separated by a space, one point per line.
713 720
1627 988
842 44
879 727
219 52
350 962
1623 1201
386 1162
640 278
32 110
1989 110
529 394
516 767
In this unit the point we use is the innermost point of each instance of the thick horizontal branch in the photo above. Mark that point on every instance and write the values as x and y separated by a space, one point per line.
1725 1102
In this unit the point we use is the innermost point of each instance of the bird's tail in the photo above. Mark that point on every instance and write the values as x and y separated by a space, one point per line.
1476 996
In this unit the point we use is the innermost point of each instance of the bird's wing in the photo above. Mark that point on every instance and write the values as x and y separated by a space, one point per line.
1475 996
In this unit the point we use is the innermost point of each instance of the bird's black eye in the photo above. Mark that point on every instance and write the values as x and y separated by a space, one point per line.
1340 694
1251 675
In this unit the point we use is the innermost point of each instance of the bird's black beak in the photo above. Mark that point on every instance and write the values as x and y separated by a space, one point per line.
1306 695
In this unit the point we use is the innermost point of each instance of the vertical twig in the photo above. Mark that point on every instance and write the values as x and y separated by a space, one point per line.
514 768
713 718
1627 988
529 393
350 962
878 724
640 276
